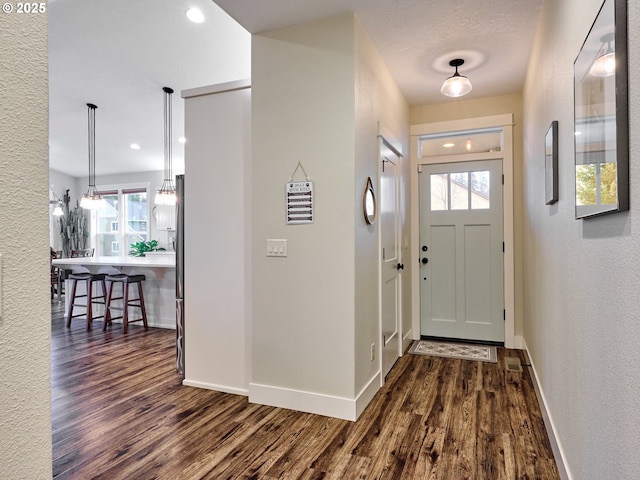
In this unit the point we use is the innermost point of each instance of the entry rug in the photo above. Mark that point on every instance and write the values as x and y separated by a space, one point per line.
463 351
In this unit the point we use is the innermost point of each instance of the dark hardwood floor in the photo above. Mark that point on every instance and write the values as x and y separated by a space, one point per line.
120 412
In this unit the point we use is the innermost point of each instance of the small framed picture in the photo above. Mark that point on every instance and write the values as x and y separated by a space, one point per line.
551 164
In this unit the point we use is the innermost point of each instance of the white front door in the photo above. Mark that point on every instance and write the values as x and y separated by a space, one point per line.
461 251
390 255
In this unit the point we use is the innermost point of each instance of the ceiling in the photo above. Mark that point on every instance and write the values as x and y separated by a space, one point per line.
118 54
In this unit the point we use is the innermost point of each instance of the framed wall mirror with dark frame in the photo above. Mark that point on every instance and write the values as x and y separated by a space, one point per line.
601 119
551 164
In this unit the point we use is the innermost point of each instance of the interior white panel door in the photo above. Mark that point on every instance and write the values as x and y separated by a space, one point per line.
390 253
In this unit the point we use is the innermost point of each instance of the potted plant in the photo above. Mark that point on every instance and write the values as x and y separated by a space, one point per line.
139 249
74 227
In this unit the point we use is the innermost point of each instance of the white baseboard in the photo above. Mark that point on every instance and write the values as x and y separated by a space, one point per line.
367 393
518 340
407 340
312 402
556 446
218 388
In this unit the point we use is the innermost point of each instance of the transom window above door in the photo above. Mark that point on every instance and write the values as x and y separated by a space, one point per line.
458 143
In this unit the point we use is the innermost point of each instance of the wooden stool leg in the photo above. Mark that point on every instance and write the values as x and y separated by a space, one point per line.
72 299
125 305
144 310
104 299
89 303
107 306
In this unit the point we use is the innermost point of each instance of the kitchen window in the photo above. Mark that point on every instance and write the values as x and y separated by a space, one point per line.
122 220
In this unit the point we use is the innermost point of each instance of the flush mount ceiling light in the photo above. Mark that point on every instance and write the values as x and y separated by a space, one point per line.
195 15
167 193
457 85
91 200
605 64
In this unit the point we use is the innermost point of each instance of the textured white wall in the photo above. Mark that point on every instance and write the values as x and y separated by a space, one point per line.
582 277
319 91
25 441
303 110
378 100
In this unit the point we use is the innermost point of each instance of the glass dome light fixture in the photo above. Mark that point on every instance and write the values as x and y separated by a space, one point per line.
456 85
92 199
605 64
167 193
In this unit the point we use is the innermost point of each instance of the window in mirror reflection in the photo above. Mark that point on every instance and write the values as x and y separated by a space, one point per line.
596 184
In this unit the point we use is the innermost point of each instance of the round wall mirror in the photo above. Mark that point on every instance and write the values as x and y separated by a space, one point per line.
369 203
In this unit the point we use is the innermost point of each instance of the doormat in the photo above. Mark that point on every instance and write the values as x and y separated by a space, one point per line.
480 353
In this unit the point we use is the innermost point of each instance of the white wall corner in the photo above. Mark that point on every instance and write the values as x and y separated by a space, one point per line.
367 393
407 339
556 445
518 341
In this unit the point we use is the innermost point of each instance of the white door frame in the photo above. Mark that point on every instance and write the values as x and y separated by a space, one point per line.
505 122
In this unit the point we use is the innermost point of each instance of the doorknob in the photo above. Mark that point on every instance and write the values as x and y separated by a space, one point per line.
401 266
425 260
425 248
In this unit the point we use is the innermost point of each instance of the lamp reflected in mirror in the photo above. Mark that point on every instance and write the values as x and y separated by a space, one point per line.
605 64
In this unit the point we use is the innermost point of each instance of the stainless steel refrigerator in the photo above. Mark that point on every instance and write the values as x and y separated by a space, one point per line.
179 246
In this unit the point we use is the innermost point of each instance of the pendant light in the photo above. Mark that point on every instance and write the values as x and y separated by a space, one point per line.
167 193
605 64
92 200
457 85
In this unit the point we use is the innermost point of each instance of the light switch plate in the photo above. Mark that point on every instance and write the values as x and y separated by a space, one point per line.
276 247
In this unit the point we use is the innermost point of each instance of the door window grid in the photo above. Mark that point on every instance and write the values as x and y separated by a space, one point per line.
460 191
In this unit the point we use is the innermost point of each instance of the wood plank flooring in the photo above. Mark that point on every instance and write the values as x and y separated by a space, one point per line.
120 412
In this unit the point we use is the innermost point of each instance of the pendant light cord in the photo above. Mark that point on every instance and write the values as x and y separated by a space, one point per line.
92 144
167 136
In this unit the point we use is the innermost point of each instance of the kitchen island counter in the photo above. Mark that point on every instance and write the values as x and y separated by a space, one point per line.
159 286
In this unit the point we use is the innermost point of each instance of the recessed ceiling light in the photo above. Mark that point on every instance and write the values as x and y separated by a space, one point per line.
182 140
135 146
195 15
449 145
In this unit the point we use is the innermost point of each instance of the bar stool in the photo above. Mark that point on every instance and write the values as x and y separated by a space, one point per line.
89 279
127 302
